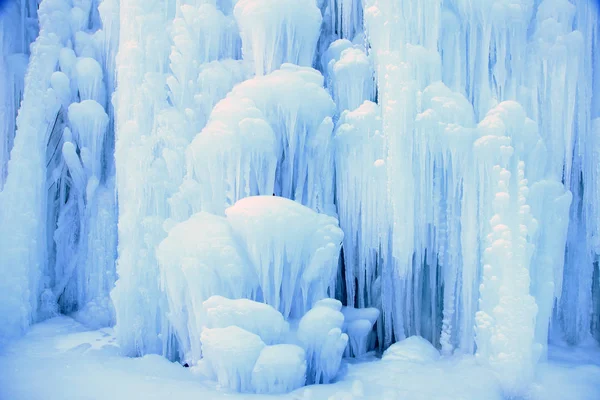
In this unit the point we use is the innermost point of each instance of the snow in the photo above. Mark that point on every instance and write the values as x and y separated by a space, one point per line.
59 359
414 349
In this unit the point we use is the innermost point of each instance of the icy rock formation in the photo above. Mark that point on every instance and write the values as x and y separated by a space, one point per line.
320 332
231 353
279 369
294 250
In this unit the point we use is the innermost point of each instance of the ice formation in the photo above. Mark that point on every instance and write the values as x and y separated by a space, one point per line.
293 249
231 354
279 369
320 332
258 318
353 172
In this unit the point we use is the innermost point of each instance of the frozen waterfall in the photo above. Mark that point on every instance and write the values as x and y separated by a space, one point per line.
258 188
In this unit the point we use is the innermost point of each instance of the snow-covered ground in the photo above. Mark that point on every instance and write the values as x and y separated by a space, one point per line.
60 359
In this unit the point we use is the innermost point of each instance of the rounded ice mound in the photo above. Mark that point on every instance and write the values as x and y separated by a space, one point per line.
350 74
89 78
258 318
279 369
198 259
358 324
320 332
231 354
294 250
259 141
413 349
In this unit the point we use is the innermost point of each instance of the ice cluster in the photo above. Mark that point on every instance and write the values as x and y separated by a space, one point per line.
262 187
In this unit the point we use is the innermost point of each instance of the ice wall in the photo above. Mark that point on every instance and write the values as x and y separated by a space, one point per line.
436 132
140 96
22 200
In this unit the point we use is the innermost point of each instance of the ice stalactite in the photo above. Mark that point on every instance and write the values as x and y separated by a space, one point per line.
177 94
345 17
259 141
23 199
232 261
278 31
81 215
456 140
140 96
361 172
349 73
507 315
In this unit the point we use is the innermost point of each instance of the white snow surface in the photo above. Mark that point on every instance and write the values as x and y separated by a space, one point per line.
59 359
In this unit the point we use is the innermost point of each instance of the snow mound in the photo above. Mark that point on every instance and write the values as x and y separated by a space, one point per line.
231 353
258 318
293 249
320 332
279 369
413 349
